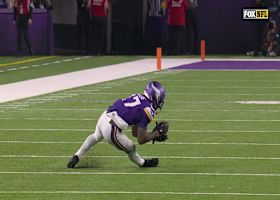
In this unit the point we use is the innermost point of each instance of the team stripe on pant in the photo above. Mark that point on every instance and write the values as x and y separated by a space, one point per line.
116 141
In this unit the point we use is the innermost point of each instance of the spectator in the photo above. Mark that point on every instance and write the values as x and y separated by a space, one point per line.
176 24
82 25
192 32
270 45
23 19
99 10
156 28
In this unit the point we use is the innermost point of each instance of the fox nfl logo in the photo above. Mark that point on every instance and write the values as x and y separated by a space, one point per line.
255 14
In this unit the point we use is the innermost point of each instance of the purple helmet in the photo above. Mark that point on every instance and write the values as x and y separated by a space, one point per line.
156 94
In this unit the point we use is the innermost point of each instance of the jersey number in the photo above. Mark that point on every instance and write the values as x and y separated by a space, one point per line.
136 102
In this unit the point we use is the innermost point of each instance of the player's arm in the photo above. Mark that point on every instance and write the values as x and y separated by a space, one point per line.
134 130
143 136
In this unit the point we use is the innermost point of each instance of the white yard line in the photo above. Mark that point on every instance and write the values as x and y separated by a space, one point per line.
105 103
223 120
224 110
67 101
167 110
39 86
259 102
12 69
111 101
225 131
177 131
185 94
170 119
142 192
47 129
61 109
50 119
143 173
160 157
163 143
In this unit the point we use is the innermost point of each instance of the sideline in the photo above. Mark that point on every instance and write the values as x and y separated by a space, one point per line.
39 86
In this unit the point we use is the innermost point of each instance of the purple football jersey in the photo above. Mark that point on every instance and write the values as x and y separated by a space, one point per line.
135 109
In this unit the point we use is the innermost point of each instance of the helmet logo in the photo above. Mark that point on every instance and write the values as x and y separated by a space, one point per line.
157 92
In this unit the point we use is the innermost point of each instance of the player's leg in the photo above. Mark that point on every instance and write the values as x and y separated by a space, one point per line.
88 143
19 35
26 35
122 142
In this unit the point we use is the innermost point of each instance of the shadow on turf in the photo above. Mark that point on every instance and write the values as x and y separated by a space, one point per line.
84 164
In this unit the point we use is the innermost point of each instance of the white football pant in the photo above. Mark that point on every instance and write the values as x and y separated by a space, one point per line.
112 135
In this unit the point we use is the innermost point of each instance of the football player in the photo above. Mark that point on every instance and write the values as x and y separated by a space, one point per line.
136 111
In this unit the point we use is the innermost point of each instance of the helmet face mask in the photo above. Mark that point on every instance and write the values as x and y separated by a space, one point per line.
161 104
156 94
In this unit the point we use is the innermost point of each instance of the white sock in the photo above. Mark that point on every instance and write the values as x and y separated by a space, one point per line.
134 157
88 143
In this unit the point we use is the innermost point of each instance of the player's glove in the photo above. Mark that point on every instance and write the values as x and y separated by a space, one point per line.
162 128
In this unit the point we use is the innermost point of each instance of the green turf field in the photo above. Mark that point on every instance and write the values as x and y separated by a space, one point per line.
218 149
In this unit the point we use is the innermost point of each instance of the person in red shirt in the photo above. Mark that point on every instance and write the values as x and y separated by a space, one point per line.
23 19
99 10
176 23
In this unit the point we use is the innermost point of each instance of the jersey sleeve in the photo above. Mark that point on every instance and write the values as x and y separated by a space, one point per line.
148 116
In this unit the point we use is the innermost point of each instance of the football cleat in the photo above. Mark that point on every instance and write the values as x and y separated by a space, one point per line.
73 161
151 162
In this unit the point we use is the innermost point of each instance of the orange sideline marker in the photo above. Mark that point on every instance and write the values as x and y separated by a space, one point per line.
202 50
158 58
